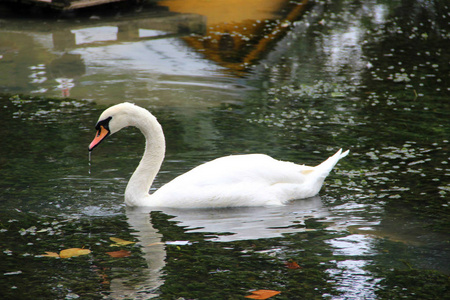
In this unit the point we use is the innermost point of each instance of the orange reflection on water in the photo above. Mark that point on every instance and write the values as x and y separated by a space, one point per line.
238 32
228 11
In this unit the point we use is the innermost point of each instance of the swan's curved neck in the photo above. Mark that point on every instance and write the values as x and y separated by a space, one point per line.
137 191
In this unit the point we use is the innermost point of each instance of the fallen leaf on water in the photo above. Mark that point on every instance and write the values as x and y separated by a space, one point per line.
50 254
66 253
262 294
119 242
292 265
120 253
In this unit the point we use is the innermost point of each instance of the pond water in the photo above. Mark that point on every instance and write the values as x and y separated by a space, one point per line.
296 82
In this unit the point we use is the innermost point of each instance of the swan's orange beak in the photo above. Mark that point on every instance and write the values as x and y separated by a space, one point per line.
102 133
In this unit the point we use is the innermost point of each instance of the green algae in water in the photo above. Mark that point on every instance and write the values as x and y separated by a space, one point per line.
414 284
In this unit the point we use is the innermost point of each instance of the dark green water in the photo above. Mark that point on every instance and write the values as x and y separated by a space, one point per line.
368 76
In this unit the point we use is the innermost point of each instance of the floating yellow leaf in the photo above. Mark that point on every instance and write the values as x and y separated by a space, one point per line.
262 294
66 253
120 242
50 254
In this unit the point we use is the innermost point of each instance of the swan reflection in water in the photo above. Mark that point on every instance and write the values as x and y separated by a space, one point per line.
225 225
246 223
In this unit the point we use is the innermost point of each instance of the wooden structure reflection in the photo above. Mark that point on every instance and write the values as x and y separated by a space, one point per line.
239 36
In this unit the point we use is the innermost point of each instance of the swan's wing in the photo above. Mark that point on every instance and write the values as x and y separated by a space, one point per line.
249 168
244 180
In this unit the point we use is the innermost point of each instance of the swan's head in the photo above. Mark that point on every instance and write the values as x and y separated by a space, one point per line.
114 119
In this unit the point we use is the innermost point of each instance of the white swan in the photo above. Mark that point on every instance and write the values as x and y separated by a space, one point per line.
236 180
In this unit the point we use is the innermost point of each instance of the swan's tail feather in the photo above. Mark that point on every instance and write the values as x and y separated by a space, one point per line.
326 166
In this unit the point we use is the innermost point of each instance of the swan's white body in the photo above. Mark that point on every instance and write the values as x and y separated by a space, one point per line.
237 180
